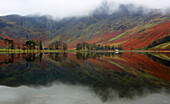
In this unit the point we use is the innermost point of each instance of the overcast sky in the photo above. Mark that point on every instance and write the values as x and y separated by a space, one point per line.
65 8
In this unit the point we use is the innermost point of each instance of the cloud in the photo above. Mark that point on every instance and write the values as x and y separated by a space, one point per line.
60 93
67 8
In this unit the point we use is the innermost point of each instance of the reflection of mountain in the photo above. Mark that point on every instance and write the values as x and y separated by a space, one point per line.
130 62
165 61
126 73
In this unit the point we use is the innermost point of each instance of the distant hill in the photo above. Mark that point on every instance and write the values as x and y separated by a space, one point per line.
124 27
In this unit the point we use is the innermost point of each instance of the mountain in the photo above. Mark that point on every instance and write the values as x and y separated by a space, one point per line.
129 27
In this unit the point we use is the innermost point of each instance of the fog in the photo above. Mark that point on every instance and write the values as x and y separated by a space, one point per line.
70 8
72 94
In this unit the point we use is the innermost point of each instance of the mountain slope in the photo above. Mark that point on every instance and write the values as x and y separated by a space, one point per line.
132 30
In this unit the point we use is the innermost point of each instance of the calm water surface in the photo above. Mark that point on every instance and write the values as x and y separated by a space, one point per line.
85 78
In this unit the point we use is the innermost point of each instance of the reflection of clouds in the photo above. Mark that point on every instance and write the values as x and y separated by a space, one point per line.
70 94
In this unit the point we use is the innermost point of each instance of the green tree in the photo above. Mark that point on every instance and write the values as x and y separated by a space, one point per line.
18 46
98 47
65 46
30 44
12 44
78 46
84 46
106 47
23 47
6 43
40 46
112 48
120 47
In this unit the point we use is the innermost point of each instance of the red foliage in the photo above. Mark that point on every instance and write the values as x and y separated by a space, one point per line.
132 39
145 38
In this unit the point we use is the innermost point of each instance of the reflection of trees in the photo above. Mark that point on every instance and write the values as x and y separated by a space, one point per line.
29 57
32 57
58 56
9 59
102 83
94 55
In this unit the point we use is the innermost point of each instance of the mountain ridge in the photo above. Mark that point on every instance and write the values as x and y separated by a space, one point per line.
123 27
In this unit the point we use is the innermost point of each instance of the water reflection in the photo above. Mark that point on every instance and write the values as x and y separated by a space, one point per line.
29 57
95 55
159 60
104 74
58 56
72 94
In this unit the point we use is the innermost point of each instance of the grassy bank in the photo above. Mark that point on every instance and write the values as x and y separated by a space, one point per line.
36 51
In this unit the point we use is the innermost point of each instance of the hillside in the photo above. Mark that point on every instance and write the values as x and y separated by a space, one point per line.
132 30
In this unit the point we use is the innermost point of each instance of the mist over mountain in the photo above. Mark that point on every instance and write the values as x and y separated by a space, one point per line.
104 25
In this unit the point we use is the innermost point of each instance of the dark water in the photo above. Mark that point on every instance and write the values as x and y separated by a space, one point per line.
85 78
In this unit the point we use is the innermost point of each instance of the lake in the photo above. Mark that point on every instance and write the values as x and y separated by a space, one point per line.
85 78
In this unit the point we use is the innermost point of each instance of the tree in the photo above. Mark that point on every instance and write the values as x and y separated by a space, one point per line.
84 45
40 46
6 43
109 47
94 46
65 46
30 44
106 47
98 47
112 48
23 47
18 46
12 43
78 46
120 47
102 48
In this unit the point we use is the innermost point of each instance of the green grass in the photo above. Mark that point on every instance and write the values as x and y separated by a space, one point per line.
117 37
162 46
149 25
26 51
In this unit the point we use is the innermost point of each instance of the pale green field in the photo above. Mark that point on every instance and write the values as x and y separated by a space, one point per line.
162 46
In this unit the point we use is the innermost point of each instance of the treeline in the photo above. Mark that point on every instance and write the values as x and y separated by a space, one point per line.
159 41
86 46
58 45
29 45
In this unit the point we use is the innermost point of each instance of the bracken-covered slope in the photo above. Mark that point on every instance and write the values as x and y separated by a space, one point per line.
132 30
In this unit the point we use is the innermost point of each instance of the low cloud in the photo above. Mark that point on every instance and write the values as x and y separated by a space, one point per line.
70 8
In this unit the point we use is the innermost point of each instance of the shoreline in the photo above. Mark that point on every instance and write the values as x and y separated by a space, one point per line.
99 51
